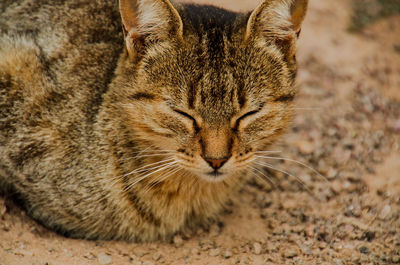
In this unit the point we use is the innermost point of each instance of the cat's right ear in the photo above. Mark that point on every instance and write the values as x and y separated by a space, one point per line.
146 21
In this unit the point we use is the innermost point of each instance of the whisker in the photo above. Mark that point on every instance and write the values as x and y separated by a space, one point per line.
111 182
246 161
152 165
311 108
142 170
267 152
166 175
148 167
174 171
147 149
145 171
287 173
145 155
260 138
149 174
306 108
155 150
297 162
150 155
264 177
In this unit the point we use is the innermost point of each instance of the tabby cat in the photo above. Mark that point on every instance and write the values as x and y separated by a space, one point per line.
133 121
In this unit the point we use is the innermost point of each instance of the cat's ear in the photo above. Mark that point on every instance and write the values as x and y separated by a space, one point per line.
278 21
145 21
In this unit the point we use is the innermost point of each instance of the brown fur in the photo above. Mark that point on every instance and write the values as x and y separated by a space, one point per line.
87 123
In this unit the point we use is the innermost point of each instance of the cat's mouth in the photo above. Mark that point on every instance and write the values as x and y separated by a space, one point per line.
215 174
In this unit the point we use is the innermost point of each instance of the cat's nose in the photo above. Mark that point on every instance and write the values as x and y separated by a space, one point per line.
216 163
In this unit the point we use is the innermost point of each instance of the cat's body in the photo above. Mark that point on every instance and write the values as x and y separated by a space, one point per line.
102 142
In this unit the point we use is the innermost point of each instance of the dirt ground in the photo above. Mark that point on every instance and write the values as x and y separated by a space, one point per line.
347 127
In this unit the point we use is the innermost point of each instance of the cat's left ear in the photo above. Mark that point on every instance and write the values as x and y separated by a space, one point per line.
147 21
278 21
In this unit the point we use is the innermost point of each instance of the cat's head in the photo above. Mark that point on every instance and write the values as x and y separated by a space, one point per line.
211 86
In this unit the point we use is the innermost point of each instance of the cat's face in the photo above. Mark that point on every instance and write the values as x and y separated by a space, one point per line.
211 99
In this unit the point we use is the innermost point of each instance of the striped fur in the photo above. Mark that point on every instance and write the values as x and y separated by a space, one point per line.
83 113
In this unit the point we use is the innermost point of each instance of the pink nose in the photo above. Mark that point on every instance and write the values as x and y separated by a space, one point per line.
216 163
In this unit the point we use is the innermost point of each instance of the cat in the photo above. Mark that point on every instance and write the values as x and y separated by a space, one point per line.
135 120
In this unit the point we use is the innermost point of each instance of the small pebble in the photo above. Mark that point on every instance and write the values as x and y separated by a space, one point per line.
364 250
257 248
348 143
353 210
369 236
90 256
291 254
6 228
310 230
141 253
148 263
227 254
332 173
195 251
306 249
206 244
236 260
215 230
156 256
178 241
305 147
3 208
396 259
104 259
214 252
22 252
385 212
338 262
395 126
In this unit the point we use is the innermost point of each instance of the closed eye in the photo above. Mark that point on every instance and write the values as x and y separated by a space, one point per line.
248 114
188 116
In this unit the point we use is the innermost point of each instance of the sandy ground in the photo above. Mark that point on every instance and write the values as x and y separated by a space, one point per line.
347 127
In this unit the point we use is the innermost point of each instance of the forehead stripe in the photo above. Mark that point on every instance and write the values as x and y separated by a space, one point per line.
142 96
191 95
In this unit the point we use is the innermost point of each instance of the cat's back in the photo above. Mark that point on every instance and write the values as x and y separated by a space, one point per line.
79 20
65 34
55 50
56 61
